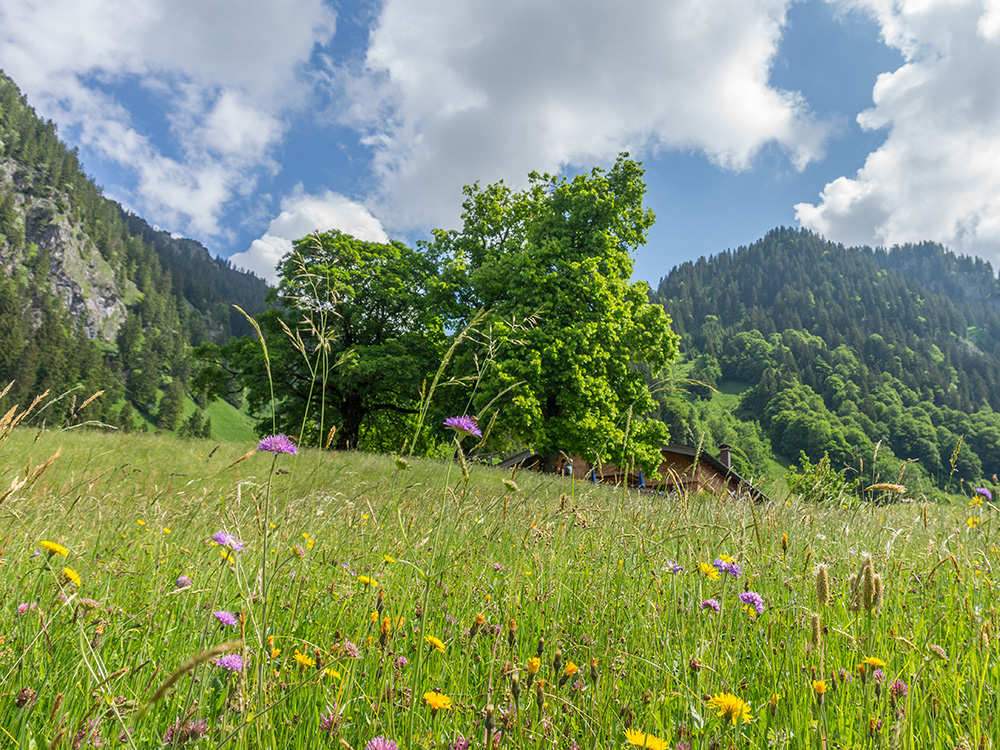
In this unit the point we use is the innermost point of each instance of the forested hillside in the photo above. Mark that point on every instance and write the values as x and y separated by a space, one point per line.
91 297
846 349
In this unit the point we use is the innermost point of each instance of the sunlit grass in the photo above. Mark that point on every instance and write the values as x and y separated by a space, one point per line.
450 590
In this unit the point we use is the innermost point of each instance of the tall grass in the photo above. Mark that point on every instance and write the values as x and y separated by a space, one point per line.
367 554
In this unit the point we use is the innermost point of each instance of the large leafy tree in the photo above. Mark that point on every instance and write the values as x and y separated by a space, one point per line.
351 333
552 263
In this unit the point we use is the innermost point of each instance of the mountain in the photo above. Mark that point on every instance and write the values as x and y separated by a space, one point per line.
91 296
873 357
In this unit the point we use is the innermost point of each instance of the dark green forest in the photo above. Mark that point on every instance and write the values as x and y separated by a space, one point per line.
162 295
872 357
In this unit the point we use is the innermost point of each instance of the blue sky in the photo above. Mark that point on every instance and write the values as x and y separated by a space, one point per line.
246 124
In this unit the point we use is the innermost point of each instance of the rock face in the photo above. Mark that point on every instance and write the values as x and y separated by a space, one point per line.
77 274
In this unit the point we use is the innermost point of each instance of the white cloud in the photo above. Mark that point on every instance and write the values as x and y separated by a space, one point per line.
301 214
225 72
937 175
481 90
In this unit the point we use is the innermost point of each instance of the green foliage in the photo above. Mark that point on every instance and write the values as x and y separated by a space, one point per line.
352 333
556 258
820 482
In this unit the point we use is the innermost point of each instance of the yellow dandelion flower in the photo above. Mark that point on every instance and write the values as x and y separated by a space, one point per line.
310 543
976 501
72 576
373 616
332 673
534 664
369 581
973 522
302 659
784 542
874 662
389 559
54 549
140 522
226 556
166 530
730 707
435 642
648 741
437 701
710 571
726 558
819 687
773 700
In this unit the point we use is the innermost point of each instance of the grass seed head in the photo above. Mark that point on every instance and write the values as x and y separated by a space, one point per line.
822 586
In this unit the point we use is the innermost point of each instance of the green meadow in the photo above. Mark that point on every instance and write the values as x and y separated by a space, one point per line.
362 601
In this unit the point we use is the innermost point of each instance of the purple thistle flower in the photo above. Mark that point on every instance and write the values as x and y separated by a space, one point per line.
184 582
752 597
225 539
711 604
985 493
460 744
401 662
728 567
22 608
464 425
232 662
878 675
277 444
226 618
381 743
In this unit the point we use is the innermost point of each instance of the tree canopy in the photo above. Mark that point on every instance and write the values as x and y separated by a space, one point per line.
556 260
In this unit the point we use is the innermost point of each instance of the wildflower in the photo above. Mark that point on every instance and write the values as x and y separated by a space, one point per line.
25 697
727 565
225 539
772 703
534 664
983 492
232 662
188 731
460 743
648 741
595 675
401 661
277 444
226 618
302 659
710 571
71 576
367 580
973 522
350 650
437 701
183 582
389 559
872 662
730 707
784 542
568 671
435 642
381 743
88 603
878 675
24 607
54 549
712 604
673 568
402 464
898 689
464 425
511 485
329 723
753 598
819 688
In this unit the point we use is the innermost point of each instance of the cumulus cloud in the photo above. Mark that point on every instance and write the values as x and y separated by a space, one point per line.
301 214
479 90
224 72
937 175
